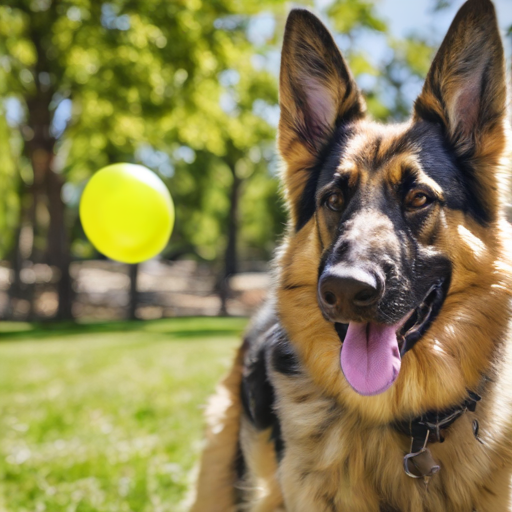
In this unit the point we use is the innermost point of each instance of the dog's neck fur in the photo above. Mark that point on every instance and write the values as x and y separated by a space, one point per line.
327 445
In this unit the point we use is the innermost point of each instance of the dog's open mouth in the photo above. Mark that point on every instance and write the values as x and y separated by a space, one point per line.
371 353
421 318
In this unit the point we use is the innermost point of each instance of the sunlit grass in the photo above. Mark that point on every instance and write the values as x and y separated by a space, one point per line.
107 421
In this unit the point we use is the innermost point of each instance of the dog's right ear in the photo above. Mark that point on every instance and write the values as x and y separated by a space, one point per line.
316 90
465 93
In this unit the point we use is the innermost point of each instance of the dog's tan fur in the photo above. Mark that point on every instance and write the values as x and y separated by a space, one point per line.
217 463
341 452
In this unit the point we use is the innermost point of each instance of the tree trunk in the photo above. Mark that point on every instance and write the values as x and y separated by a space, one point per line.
19 290
230 254
16 287
41 148
132 307
58 250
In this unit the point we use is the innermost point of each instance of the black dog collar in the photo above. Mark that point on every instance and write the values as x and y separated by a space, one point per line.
429 428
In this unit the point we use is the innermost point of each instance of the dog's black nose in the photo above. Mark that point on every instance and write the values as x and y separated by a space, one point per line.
341 289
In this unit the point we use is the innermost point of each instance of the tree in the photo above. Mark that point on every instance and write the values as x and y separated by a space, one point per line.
179 86
98 81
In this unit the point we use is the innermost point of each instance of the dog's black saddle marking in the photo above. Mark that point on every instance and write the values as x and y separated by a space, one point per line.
282 356
384 507
257 391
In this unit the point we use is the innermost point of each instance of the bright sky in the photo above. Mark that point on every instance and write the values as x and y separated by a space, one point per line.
405 16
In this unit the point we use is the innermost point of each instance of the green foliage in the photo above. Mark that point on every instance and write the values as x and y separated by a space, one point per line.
9 185
146 74
351 15
175 86
442 4
415 54
385 99
111 421
409 64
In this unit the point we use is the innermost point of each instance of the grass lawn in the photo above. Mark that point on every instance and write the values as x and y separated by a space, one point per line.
106 418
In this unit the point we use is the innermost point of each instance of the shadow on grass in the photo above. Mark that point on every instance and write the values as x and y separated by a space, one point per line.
182 327
204 332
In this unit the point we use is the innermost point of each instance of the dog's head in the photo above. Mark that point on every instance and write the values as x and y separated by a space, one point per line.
395 230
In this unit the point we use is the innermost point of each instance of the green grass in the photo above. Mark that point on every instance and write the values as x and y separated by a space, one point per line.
106 417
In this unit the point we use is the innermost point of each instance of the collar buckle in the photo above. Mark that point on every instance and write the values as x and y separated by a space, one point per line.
419 463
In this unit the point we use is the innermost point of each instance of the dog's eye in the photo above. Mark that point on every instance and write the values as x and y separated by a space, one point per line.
334 202
416 199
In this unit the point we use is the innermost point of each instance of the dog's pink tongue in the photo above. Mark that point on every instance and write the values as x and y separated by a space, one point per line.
370 358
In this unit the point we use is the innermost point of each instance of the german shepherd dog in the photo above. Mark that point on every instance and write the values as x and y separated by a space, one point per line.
378 377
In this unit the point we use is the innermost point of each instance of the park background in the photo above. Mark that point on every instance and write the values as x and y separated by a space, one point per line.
104 367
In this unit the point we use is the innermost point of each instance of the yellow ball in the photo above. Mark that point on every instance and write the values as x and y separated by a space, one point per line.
127 212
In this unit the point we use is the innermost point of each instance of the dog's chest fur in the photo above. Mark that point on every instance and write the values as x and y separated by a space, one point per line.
328 459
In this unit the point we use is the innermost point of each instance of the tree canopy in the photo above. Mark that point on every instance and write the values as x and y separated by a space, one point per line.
186 87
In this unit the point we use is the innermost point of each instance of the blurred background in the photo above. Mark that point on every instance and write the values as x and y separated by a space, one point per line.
189 89
97 415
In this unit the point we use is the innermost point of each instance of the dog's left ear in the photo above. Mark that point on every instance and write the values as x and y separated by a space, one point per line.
317 93
316 88
465 90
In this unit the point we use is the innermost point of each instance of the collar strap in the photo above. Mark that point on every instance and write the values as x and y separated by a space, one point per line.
429 428
434 422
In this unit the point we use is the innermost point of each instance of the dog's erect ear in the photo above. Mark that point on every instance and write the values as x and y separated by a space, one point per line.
465 89
316 89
